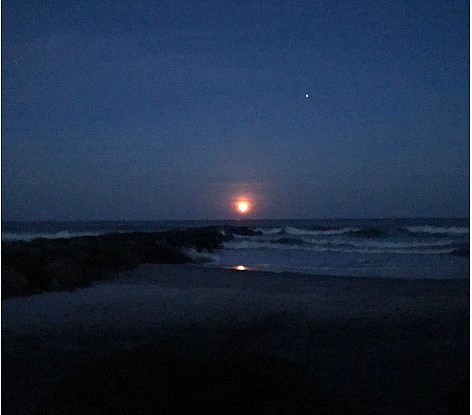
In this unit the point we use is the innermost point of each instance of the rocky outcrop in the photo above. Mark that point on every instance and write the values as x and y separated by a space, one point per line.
66 264
14 283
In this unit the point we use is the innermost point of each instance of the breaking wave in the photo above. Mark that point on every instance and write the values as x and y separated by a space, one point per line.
289 230
29 236
447 247
439 230
202 257
367 232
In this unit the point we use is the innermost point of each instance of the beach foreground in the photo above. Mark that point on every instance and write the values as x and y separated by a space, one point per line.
188 339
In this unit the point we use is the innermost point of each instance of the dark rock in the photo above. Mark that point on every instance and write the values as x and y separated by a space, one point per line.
14 283
65 273
163 253
28 261
52 264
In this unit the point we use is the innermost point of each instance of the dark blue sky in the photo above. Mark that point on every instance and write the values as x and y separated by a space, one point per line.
170 109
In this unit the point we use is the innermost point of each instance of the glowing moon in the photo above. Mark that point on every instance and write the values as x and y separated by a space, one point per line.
243 207
306 95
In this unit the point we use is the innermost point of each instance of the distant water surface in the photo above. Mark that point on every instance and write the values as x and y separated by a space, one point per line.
413 248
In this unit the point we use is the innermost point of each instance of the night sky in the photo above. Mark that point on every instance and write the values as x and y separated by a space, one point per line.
172 109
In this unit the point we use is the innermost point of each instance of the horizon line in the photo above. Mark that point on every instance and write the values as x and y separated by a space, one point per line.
231 219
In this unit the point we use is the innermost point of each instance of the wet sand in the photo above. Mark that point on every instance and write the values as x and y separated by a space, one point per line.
186 339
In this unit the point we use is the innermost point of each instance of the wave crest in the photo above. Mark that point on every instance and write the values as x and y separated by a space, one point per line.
445 247
288 230
26 237
439 230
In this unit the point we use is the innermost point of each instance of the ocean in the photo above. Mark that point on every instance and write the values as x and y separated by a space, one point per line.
389 248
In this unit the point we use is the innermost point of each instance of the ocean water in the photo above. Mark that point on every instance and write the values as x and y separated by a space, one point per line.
409 248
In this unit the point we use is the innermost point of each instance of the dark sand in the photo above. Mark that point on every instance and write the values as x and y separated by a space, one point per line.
183 339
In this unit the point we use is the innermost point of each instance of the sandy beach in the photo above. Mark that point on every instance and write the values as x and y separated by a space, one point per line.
189 339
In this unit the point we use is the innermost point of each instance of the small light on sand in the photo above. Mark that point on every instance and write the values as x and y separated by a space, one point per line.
241 268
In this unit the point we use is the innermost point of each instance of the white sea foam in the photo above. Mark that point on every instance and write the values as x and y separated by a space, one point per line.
269 231
346 248
455 230
288 230
370 243
202 257
298 242
29 236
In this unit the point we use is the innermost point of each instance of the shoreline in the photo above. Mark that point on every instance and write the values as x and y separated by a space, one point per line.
374 248
317 274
